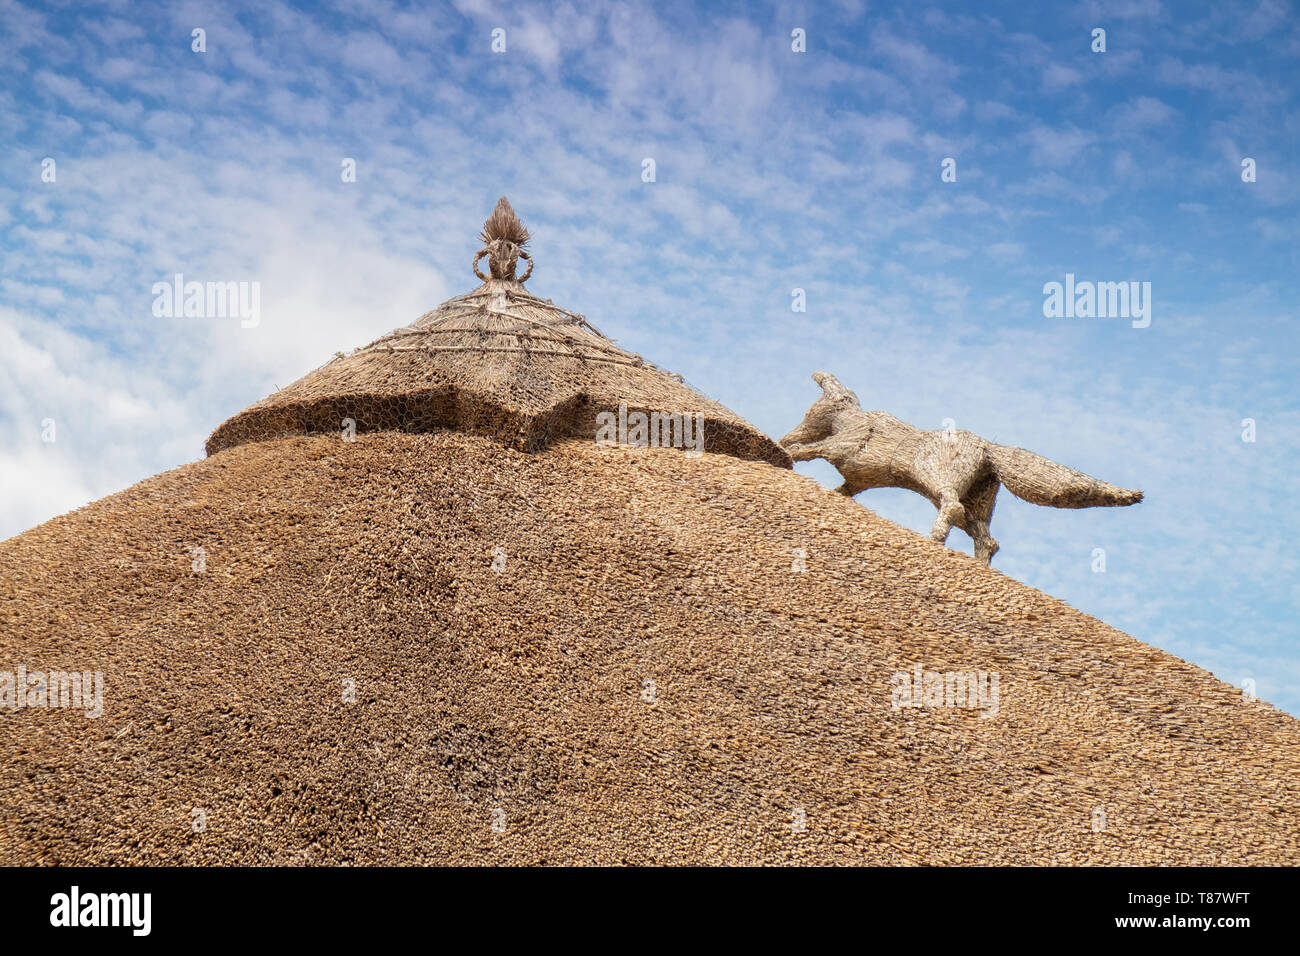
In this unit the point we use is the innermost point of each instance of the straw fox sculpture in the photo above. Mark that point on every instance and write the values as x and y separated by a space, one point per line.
959 472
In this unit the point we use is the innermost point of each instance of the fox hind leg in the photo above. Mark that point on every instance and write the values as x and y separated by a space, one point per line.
979 509
985 544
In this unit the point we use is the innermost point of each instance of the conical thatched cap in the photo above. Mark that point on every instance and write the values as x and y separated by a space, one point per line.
497 362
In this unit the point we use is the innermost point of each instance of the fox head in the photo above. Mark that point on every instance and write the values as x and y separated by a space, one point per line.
820 420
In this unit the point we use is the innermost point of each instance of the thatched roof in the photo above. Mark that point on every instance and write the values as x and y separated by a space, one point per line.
521 688
497 361
564 652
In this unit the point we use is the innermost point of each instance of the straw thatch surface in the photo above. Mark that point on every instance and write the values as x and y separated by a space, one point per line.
959 471
522 691
498 362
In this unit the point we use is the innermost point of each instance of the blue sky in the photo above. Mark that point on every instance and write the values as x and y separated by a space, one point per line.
775 170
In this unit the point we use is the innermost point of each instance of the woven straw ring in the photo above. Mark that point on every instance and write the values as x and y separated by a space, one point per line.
523 255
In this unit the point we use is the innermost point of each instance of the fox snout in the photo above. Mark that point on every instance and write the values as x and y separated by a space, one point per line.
795 437
807 431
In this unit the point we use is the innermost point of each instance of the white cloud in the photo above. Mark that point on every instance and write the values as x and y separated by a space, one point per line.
1058 146
1058 77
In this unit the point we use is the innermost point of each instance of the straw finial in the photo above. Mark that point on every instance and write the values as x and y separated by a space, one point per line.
504 237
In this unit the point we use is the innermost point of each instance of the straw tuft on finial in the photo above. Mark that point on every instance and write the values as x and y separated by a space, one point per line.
505 238
504 224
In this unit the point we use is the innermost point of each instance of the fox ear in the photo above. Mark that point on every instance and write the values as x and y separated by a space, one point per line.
832 388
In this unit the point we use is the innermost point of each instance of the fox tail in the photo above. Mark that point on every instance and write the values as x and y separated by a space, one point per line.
1042 481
